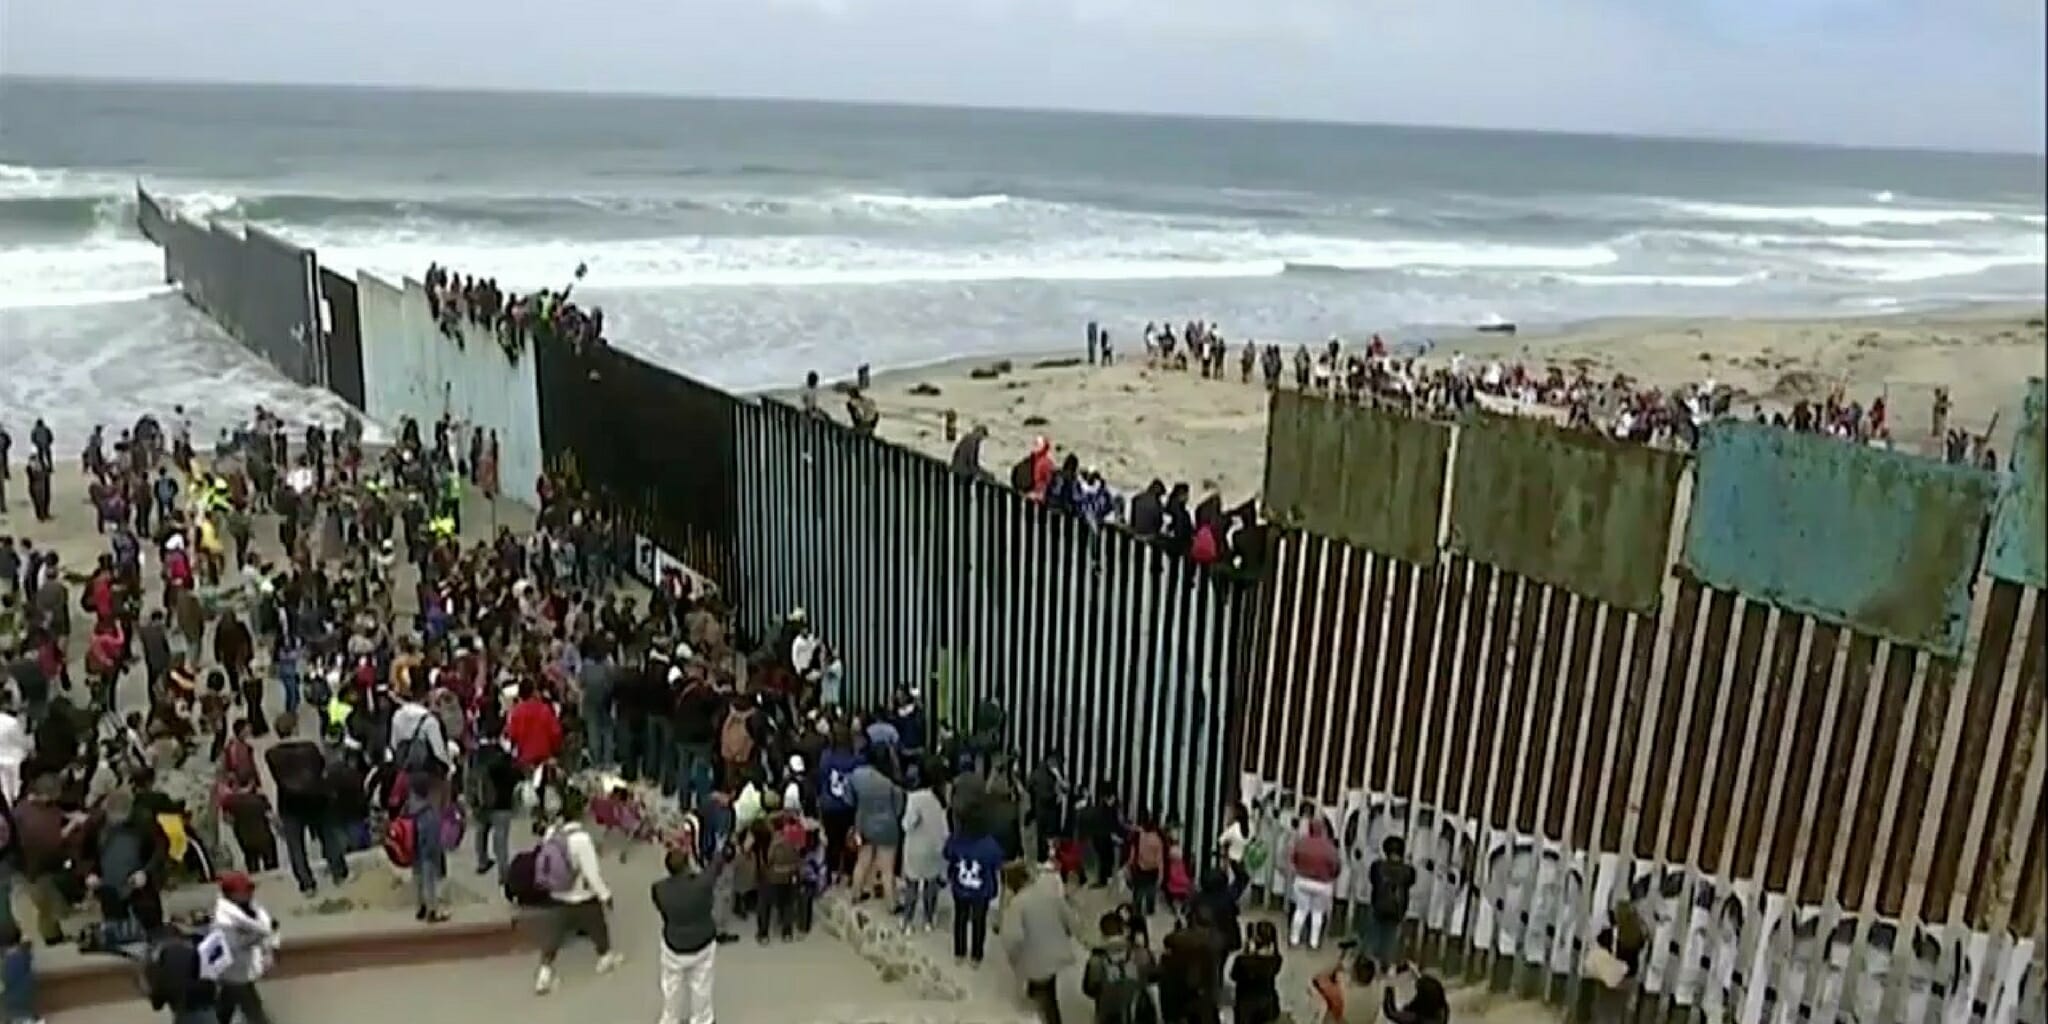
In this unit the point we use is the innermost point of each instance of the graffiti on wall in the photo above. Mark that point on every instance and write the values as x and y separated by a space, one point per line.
1730 950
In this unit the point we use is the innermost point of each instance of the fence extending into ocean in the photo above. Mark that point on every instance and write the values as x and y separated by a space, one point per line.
1786 697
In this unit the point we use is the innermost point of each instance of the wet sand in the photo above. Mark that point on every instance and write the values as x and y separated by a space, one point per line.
1136 423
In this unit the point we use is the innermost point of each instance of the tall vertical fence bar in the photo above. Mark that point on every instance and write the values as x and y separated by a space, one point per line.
1101 648
1785 701
1809 755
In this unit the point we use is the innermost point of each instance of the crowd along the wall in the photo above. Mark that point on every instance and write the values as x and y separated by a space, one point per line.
1099 647
1816 819
1103 649
414 367
1823 799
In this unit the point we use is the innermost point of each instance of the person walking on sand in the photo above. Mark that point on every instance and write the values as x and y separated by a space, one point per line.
687 902
566 866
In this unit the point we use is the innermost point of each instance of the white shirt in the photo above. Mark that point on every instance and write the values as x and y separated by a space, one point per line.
803 654
15 745
1232 843
589 884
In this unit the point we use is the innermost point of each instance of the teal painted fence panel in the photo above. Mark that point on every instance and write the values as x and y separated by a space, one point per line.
1882 542
2017 533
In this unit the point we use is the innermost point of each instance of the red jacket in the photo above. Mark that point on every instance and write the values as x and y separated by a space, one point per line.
535 731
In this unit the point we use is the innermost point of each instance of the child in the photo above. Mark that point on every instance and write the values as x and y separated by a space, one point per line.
18 974
1180 883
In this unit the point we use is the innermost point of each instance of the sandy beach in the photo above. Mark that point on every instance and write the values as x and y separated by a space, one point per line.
1136 423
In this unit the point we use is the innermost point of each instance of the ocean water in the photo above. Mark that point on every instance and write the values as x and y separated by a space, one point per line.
746 242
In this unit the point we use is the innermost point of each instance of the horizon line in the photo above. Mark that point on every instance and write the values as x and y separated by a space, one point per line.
1104 112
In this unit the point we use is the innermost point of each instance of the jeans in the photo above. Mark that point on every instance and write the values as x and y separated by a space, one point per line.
1145 891
333 848
599 737
921 901
696 771
426 878
970 929
661 754
493 841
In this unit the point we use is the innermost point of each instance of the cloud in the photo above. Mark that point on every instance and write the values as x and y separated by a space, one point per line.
1965 73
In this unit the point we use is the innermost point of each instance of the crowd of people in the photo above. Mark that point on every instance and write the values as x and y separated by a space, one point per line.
1620 406
544 317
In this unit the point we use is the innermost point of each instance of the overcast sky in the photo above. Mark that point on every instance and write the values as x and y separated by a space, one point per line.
1940 73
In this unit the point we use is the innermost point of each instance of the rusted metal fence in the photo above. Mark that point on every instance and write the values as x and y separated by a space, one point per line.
1811 821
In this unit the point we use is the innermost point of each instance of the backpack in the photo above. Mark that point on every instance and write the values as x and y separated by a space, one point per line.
736 738
783 863
521 887
413 752
554 871
1123 997
399 842
1020 475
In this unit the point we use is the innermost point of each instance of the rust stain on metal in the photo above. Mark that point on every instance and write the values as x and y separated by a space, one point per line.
1514 732
2003 843
1857 667
1777 696
1416 685
1685 614
1923 745
1980 703
1744 688
1543 709
1900 663
1686 810
1394 641
1793 824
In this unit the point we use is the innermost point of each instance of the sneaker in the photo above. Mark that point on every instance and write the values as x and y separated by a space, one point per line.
544 981
610 962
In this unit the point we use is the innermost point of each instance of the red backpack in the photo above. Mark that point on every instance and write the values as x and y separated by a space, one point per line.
399 841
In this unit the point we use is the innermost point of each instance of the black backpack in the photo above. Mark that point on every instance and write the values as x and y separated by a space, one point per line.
1124 997
1020 475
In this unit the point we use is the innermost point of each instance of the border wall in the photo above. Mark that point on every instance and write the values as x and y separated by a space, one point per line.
1810 753
259 288
1785 699
1103 649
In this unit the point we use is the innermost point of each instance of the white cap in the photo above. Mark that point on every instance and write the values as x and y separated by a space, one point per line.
796 762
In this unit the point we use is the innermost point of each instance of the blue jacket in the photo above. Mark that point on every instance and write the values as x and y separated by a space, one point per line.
835 779
973 868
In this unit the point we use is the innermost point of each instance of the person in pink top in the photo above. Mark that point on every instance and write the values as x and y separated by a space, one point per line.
1316 864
